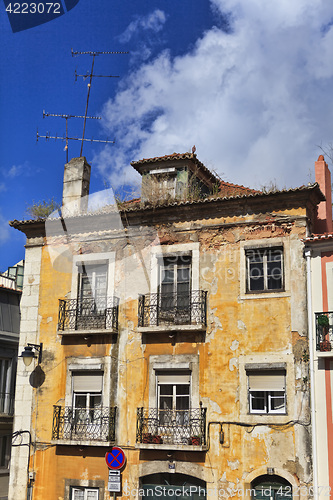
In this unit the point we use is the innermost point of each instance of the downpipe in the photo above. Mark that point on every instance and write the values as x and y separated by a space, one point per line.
307 254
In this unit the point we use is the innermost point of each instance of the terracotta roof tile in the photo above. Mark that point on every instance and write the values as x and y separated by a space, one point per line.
318 237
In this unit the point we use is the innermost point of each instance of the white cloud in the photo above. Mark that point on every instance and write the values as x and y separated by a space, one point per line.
152 22
256 101
17 170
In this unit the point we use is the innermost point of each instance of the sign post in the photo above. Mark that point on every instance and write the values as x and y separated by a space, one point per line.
114 482
115 460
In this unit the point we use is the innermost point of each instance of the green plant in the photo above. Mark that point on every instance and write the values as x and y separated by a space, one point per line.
323 320
42 209
305 356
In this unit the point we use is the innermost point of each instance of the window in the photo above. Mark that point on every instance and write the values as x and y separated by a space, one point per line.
264 269
92 295
271 487
6 386
80 493
87 408
175 287
93 284
173 396
267 391
5 443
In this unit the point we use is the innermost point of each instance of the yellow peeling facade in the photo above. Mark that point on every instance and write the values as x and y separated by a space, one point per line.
183 390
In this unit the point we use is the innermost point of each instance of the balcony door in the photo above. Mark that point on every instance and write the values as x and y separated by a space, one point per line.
87 412
92 295
175 289
173 404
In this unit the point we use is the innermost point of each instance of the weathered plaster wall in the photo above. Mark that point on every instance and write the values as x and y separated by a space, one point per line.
269 328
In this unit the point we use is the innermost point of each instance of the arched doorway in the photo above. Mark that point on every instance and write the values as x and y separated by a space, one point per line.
271 487
172 486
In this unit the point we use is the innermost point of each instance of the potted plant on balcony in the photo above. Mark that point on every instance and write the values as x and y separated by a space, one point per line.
146 437
195 440
325 345
156 439
323 323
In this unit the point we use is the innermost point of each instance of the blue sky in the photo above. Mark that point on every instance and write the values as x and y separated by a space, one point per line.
248 82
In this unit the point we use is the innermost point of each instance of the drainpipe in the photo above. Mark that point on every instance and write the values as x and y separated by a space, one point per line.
312 377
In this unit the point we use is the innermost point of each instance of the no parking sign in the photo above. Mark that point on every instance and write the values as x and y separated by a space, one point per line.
115 459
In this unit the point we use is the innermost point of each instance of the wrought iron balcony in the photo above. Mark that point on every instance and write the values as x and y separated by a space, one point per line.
7 403
173 309
84 424
171 427
324 331
88 314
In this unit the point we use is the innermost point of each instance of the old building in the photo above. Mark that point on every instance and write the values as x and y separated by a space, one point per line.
319 255
173 327
10 295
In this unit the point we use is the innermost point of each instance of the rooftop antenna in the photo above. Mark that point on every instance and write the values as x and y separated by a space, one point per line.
91 76
66 138
67 117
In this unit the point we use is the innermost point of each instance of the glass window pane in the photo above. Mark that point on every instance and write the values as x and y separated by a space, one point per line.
182 389
92 495
166 390
258 401
95 401
77 494
277 401
256 276
80 400
167 275
165 403
182 403
274 275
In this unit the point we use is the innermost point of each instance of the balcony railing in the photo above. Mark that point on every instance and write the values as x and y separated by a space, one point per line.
173 309
324 331
6 403
84 424
172 427
88 314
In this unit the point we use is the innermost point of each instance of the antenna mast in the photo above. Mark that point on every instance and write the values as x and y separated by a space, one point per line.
85 116
66 118
91 76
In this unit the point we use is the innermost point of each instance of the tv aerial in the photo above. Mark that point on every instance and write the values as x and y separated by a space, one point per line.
85 117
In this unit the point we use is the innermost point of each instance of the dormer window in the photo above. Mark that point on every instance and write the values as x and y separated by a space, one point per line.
174 177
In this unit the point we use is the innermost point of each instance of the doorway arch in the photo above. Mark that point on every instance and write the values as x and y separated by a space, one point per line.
165 485
271 487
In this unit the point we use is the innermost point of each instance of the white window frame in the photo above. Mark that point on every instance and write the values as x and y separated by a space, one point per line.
75 365
263 251
263 243
171 374
107 258
267 403
174 363
86 490
266 362
267 394
188 249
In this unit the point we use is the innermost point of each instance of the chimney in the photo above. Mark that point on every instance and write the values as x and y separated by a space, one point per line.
76 187
323 224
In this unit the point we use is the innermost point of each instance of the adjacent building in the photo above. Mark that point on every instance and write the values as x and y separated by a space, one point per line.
10 295
319 255
173 327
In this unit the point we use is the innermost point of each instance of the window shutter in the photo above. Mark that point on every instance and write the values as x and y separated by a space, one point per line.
173 377
267 381
87 382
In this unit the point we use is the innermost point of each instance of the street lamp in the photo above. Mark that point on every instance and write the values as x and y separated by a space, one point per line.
28 354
